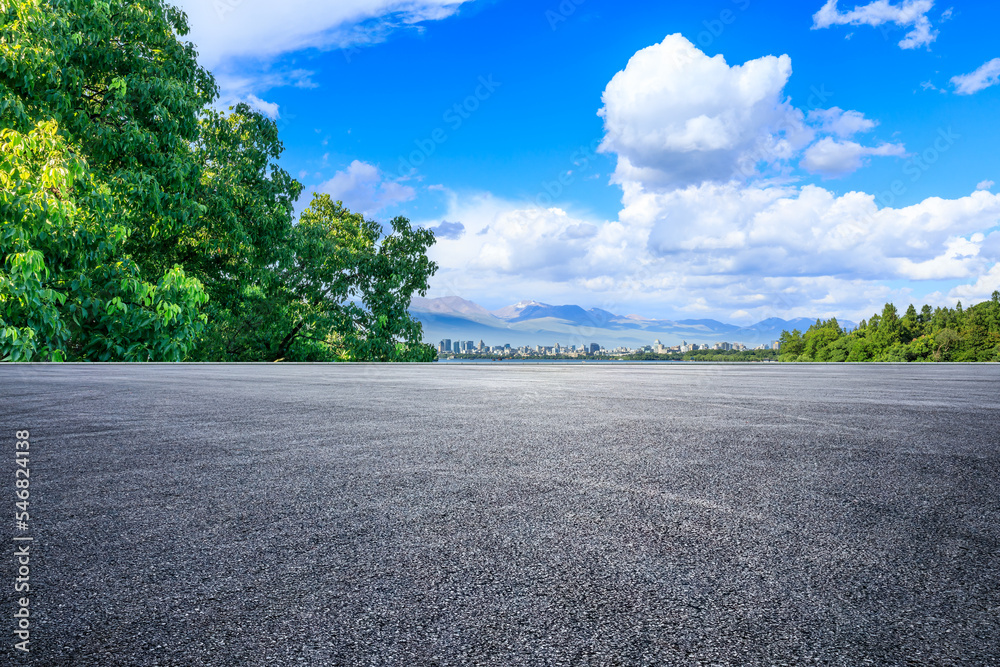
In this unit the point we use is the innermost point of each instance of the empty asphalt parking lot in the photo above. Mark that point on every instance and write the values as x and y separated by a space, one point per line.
506 515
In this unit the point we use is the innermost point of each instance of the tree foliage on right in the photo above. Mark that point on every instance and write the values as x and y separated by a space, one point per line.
938 334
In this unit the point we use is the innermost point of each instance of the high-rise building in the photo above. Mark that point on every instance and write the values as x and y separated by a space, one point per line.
445 345
482 345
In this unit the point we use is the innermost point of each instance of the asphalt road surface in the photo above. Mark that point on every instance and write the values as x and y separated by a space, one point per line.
506 515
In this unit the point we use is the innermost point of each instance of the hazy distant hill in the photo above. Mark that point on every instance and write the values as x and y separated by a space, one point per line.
449 305
534 323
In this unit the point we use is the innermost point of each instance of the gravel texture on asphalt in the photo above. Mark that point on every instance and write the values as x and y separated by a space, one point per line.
507 515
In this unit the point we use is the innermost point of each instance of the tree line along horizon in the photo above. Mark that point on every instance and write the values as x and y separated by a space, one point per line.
140 223
930 334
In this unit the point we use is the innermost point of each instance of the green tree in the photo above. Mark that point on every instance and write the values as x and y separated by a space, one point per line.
791 345
980 333
244 233
942 334
98 106
910 326
921 349
889 330
819 338
66 291
141 224
839 350
946 341
347 288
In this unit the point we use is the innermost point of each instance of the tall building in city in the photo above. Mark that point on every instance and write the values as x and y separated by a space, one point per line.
482 345
445 345
594 348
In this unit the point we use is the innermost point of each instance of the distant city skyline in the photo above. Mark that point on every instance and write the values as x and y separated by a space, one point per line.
449 347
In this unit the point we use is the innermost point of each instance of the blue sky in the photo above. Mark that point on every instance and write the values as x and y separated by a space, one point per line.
736 159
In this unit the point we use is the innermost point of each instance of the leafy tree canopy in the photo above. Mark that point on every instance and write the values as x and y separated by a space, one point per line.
139 223
940 334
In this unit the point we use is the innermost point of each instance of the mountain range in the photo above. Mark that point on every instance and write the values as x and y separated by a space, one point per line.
534 323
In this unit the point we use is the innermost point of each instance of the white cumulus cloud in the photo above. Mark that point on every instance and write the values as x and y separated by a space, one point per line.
984 77
908 13
676 116
519 241
792 232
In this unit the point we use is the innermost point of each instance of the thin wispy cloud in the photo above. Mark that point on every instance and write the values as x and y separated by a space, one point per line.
907 14
987 75
364 188
242 40
834 158
225 29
